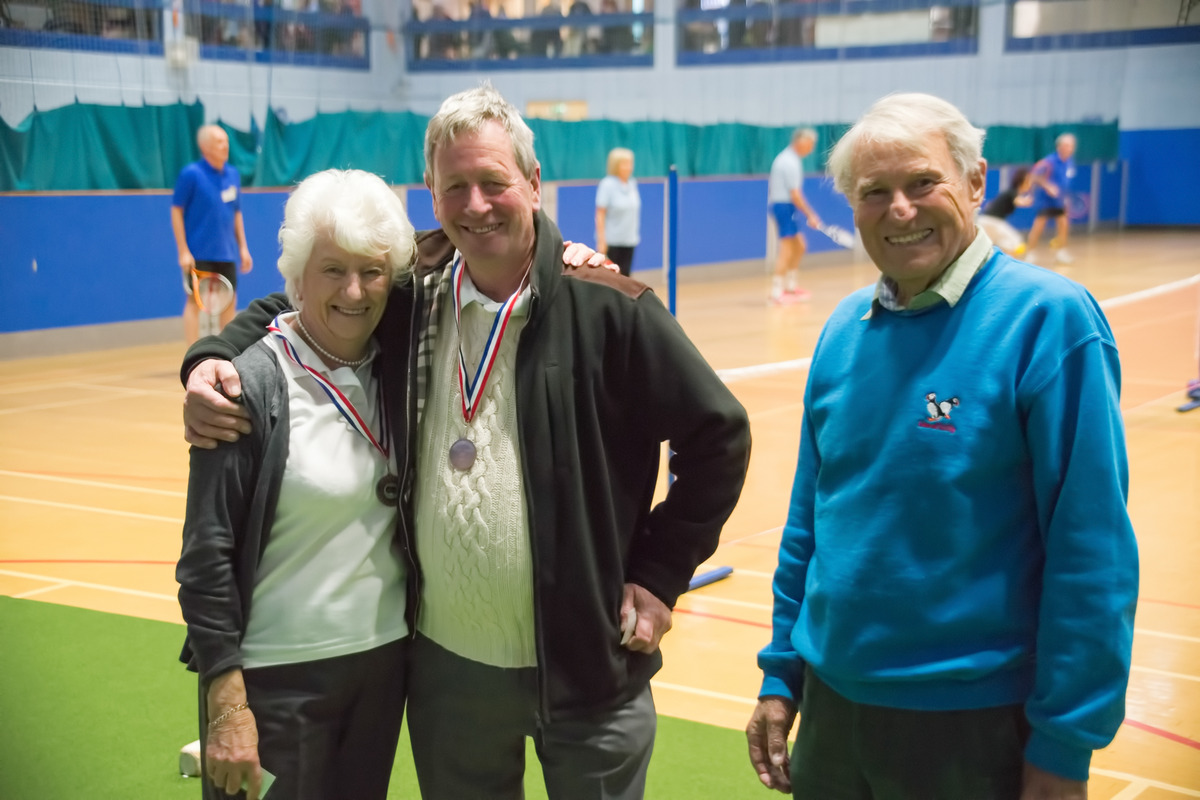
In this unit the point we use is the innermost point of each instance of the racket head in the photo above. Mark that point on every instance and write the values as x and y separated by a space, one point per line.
838 235
212 291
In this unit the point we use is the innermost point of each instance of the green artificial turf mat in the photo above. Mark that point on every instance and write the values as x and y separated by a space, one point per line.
96 706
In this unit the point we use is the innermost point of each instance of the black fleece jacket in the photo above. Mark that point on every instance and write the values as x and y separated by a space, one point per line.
604 375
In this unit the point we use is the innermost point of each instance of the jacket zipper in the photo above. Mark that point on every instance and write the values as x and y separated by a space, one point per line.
410 437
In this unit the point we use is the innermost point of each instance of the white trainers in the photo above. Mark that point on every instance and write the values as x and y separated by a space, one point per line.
1063 257
189 760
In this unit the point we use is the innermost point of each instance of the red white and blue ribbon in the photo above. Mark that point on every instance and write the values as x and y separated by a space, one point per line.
472 391
339 400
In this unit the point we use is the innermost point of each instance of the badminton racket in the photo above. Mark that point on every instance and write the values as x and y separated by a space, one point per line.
212 293
837 234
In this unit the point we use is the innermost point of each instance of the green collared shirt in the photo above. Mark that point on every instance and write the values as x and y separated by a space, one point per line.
949 286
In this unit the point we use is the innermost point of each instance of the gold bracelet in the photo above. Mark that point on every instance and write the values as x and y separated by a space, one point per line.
226 714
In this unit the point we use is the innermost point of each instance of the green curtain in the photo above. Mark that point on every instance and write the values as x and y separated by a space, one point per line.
120 147
99 147
387 144
1006 144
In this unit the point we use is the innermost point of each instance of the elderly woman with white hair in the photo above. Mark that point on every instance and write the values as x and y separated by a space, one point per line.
291 583
618 210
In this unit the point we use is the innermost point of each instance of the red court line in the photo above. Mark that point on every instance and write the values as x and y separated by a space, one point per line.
1174 737
1167 603
725 619
77 561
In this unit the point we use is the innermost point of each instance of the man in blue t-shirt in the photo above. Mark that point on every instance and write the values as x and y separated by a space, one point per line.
206 216
1052 183
785 194
957 576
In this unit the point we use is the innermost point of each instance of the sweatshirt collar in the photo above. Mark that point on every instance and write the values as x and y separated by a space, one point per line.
950 286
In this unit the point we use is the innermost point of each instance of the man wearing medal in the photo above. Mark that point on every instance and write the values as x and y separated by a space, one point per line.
537 405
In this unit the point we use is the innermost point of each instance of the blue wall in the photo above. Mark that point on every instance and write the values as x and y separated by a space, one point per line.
111 257
1164 176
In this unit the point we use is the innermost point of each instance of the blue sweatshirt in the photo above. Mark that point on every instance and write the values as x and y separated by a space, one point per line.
957 536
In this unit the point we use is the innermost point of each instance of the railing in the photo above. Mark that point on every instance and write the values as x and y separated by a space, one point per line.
237 30
543 42
1082 24
751 32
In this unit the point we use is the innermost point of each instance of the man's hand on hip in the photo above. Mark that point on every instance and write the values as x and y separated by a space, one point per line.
648 616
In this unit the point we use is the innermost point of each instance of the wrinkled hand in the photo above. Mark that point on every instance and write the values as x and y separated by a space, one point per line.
767 736
1037 784
577 254
653 618
209 416
231 755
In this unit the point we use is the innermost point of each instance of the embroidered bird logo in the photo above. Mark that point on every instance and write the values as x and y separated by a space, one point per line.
939 410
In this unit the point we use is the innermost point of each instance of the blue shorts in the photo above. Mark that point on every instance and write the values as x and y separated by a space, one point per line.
785 219
226 268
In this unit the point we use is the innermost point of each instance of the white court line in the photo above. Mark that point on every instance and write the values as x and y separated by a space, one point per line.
1132 790
164 392
760 370
43 590
732 698
1125 776
1146 294
98 484
92 509
1165 673
1166 635
79 401
750 536
754 573
85 585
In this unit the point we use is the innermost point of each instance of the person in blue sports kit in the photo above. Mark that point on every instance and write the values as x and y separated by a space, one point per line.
957 577
206 218
1052 178
785 194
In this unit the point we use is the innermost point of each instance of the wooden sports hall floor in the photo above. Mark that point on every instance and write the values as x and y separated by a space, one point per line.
93 474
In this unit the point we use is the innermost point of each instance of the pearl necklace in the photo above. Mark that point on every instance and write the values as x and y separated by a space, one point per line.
308 337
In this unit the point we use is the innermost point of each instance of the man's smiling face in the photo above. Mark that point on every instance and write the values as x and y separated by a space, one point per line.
915 211
483 201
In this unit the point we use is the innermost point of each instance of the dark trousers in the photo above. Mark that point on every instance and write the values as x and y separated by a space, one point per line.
468 723
622 257
327 729
852 751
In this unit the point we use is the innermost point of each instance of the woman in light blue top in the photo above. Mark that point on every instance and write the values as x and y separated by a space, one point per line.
618 210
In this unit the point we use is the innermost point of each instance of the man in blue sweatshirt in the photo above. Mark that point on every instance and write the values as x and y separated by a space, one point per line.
958 574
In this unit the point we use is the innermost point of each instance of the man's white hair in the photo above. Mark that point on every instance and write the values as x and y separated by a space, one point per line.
469 112
205 133
907 120
358 210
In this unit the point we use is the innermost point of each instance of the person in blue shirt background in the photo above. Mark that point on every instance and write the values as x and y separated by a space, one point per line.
785 195
206 217
1052 184
958 574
